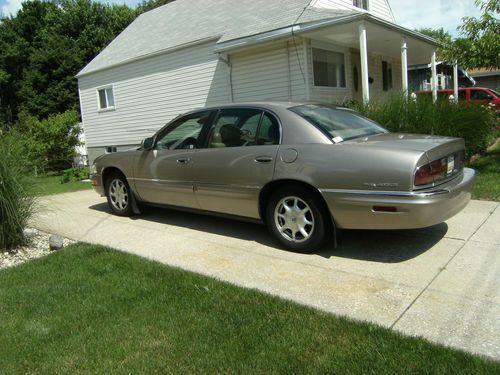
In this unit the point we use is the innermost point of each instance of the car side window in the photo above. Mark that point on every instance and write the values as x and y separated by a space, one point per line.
269 131
183 133
235 127
480 95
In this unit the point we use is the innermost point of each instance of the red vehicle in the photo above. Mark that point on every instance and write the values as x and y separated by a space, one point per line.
477 95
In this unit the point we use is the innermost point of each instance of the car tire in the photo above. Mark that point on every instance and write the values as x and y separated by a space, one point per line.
298 219
118 194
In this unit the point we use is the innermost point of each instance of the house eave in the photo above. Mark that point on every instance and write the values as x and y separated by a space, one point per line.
290 31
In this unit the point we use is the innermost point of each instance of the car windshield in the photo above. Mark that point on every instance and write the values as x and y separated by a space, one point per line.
340 124
495 92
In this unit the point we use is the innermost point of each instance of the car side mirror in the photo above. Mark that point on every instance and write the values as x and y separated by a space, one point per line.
147 143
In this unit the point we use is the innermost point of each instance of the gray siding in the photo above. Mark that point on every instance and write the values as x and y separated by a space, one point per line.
150 92
273 72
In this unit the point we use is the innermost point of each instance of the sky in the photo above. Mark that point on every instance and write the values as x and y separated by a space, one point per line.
409 13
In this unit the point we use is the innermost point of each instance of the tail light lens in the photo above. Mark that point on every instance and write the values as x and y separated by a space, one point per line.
439 170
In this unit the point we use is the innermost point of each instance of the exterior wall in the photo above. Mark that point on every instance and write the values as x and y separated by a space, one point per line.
379 8
273 72
150 92
332 95
492 82
375 71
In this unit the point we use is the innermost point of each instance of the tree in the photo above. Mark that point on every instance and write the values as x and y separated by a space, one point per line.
147 5
18 36
74 33
44 46
479 43
443 37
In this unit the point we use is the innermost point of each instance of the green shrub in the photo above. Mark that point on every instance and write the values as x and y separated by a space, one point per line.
51 142
74 175
472 122
16 202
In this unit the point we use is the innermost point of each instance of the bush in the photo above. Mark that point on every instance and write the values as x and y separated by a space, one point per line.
74 175
474 123
16 202
51 142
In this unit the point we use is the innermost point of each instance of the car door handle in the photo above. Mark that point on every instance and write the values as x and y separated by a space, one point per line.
263 159
183 160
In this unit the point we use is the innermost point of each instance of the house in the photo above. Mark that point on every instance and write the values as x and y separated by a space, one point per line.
419 77
193 53
487 78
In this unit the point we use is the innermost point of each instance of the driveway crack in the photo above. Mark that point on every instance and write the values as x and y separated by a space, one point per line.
441 269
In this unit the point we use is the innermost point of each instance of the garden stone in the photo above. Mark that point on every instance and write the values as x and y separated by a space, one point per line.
30 232
55 242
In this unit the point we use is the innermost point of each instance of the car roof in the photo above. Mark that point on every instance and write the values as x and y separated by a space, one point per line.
269 105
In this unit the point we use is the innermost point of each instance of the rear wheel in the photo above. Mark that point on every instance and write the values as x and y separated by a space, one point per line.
297 219
118 194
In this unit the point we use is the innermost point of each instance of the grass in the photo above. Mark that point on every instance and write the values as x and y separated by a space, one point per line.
88 309
51 184
487 167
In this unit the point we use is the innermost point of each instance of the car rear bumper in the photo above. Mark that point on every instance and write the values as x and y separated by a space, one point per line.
96 181
360 209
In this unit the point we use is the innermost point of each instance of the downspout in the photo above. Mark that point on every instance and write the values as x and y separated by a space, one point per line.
227 61
289 72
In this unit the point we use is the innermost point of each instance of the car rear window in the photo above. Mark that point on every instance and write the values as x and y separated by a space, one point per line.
338 123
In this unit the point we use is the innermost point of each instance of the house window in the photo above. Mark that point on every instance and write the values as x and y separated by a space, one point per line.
329 68
106 99
386 76
363 4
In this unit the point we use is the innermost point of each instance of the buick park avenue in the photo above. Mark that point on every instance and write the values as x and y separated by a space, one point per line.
305 170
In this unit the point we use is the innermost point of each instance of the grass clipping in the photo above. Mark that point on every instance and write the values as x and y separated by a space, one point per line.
16 200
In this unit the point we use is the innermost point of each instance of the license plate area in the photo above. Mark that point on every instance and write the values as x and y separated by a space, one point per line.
450 165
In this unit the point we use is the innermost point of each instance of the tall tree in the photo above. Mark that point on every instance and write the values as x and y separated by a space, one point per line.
479 43
18 37
44 46
75 31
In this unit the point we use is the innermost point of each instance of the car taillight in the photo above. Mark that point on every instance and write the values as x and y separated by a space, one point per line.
423 175
438 170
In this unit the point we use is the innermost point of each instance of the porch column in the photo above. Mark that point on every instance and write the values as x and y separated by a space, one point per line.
365 85
404 66
434 76
455 81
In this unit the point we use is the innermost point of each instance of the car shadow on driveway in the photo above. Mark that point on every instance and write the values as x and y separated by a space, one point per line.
393 246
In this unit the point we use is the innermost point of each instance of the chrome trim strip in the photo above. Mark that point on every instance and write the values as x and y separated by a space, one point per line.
198 185
387 193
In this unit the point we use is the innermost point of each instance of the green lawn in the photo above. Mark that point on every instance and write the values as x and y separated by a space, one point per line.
88 309
488 176
51 184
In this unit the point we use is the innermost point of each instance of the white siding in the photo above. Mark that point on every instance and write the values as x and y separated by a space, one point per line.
273 72
150 92
375 71
379 8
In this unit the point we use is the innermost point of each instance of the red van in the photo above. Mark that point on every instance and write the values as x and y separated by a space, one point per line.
478 95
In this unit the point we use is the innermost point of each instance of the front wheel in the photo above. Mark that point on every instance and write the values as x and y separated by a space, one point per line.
118 194
297 219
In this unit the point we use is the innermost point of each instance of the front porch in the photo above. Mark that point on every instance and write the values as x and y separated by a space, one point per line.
377 55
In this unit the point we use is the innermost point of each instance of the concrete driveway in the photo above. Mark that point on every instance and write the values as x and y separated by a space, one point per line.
442 283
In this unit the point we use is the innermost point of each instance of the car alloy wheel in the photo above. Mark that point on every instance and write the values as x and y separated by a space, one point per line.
118 194
297 218
294 219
